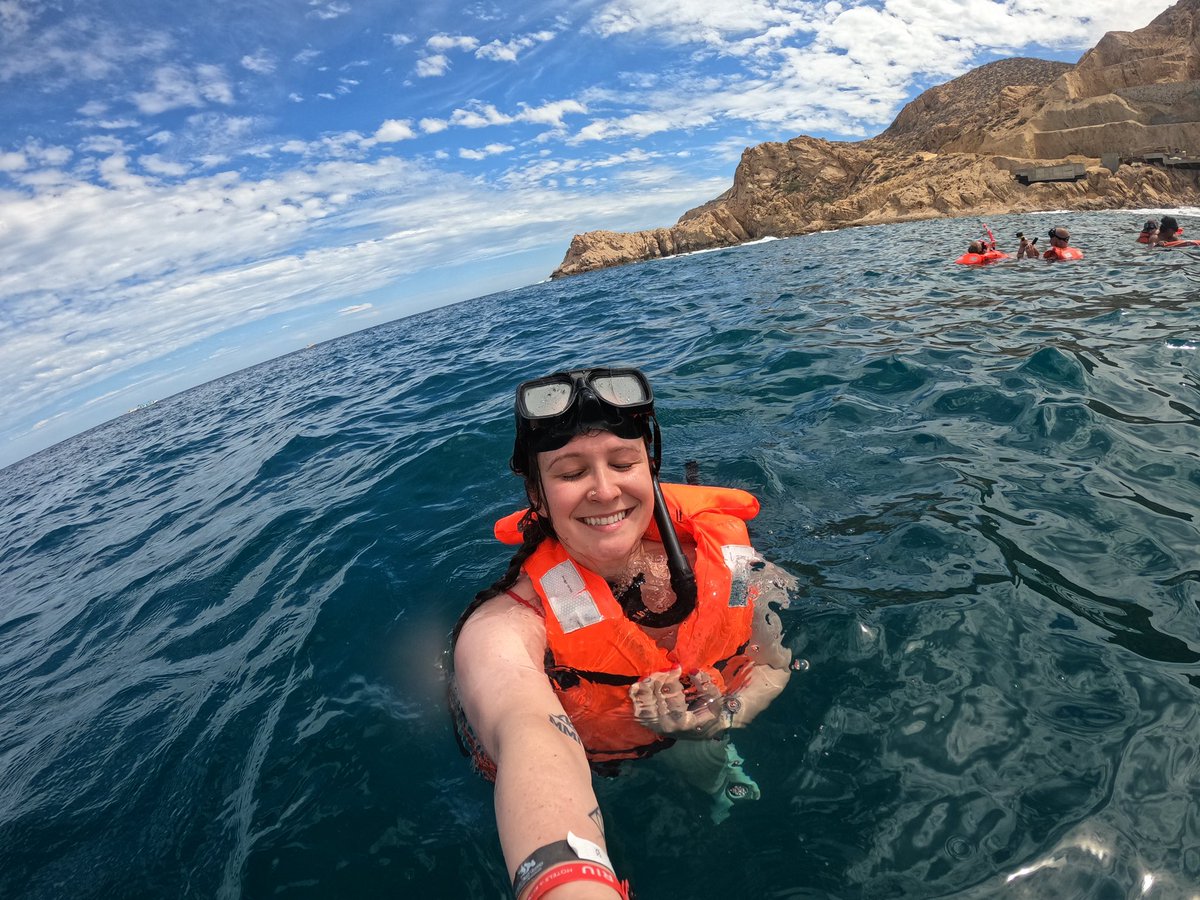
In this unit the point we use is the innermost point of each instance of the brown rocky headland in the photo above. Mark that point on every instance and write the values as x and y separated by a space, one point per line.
1130 102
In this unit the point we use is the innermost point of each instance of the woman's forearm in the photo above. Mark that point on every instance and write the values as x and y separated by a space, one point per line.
764 684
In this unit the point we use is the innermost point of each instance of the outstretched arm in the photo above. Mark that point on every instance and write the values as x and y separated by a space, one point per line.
543 783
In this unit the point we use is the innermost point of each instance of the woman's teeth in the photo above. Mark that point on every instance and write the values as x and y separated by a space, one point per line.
605 520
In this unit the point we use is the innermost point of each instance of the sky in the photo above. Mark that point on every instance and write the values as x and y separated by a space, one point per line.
190 188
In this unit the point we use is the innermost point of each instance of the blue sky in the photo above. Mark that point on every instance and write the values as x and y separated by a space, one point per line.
188 188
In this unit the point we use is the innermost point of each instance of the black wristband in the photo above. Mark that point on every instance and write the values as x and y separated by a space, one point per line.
539 861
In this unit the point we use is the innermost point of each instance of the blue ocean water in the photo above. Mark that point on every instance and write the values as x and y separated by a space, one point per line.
222 616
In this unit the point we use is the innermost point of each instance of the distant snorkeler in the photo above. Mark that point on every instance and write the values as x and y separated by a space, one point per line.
1060 246
632 621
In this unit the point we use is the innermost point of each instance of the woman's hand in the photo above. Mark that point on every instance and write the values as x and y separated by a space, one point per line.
660 704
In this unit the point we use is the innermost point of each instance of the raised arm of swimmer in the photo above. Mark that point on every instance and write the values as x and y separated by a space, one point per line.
543 782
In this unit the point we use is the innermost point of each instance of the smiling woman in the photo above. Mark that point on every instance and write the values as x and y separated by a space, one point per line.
631 622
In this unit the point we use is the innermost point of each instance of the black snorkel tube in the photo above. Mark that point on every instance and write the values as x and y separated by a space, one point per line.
683 579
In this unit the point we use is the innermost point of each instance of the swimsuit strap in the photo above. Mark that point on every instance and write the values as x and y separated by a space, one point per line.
524 602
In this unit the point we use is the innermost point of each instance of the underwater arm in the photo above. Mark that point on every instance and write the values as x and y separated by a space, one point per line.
771 660
543 782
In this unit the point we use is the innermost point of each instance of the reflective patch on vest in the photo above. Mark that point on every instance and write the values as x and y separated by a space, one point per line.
738 560
569 597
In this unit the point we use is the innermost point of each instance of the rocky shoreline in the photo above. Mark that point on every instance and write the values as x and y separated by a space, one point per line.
954 151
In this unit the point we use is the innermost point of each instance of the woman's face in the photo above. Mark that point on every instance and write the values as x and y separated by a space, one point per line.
600 498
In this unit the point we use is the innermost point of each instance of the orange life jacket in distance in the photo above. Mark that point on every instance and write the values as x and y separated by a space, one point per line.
1058 253
595 653
981 259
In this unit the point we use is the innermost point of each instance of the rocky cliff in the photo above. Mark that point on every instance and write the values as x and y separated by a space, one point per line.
953 151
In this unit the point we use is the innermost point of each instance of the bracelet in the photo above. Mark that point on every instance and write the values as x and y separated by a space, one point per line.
577 871
539 862
732 706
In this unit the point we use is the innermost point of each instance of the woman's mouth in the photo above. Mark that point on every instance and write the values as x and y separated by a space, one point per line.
611 519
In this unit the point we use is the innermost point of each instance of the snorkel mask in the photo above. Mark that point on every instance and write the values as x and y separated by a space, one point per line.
552 410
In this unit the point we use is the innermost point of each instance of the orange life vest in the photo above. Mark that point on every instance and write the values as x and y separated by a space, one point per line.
1063 253
595 653
1170 244
981 259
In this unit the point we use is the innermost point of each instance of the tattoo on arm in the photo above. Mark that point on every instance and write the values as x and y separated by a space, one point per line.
563 724
595 816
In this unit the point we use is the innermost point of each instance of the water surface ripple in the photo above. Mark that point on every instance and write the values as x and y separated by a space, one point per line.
223 614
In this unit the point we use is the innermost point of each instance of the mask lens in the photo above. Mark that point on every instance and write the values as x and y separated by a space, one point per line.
619 390
541 400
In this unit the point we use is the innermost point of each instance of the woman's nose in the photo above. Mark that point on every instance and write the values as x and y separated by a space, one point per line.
603 488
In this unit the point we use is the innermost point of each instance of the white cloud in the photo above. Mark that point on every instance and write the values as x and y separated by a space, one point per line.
339 145
432 66
71 48
546 169
506 51
356 309
400 40
550 113
394 130
485 152
48 155
102 143
484 115
323 10
176 86
442 42
156 165
15 18
479 115
261 63
12 162
713 23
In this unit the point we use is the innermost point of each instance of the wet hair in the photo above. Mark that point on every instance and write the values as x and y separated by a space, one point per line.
1151 225
977 247
1168 226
